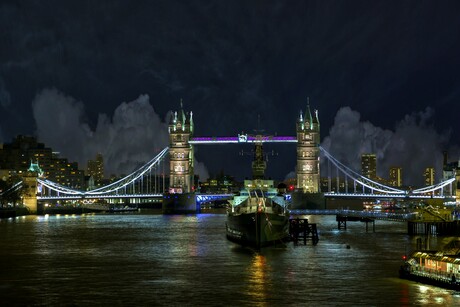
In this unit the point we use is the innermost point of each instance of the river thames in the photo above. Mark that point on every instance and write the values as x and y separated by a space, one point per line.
167 260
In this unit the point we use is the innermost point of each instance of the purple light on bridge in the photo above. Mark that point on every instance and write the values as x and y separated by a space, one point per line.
242 139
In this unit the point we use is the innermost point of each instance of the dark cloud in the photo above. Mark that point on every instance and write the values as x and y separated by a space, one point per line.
231 61
134 134
414 144
5 99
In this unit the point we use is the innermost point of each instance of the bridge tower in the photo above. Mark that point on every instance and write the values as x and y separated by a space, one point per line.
181 196
308 139
29 192
308 193
181 152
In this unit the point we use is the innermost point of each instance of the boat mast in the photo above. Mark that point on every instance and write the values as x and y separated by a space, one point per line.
258 165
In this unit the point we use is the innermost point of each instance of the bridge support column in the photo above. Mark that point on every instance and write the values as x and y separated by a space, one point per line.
181 193
308 139
373 225
30 191
341 222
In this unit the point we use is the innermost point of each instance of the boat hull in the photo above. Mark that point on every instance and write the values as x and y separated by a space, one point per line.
405 273
257 229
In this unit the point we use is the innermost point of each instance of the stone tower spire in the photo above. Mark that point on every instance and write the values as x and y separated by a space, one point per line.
181 153
308 175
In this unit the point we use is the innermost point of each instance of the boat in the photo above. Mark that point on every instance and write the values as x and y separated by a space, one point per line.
258 215
437 268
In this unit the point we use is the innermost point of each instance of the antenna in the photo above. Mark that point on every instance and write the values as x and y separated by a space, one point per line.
258 130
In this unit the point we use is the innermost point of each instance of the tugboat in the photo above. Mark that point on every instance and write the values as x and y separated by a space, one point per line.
437 268
258 216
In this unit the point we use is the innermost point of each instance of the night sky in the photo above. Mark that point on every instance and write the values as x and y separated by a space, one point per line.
102 76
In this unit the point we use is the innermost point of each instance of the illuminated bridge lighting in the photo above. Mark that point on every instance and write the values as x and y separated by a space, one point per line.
243 139
102 196
364 195
211 197
126 187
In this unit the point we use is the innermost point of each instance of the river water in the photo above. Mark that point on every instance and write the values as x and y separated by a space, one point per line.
170 260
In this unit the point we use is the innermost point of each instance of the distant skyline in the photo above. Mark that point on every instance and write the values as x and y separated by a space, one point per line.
102 76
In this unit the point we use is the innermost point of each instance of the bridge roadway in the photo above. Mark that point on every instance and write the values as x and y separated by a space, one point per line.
199 197
98 196
390 216
211 197
383 196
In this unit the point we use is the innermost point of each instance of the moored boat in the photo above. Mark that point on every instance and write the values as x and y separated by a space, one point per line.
259 216
438 268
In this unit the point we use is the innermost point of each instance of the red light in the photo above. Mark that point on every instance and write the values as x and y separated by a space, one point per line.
291 187
404 257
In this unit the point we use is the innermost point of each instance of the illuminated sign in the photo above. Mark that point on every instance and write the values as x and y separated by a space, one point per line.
242 138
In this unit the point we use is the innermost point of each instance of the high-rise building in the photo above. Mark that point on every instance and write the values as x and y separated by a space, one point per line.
18 155
95 169
369 166
395 176
450 170
429 176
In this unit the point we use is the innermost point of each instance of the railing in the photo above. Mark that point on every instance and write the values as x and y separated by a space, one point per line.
390 216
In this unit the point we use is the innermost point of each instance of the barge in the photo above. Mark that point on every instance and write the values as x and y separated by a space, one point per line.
437 268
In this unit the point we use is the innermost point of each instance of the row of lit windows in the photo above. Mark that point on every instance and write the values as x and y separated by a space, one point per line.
179 155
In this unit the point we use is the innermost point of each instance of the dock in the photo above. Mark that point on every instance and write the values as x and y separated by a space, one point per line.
301 230
342 221
440 228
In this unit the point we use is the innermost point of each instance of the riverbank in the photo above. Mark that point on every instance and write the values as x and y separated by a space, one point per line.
13 212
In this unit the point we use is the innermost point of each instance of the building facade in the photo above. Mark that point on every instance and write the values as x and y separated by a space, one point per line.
395 178
369 166
95 169
17 156
429 176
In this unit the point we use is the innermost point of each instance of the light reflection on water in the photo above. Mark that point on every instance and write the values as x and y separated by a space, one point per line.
140 259
259 279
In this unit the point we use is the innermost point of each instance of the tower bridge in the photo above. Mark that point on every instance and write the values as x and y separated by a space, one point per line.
179 195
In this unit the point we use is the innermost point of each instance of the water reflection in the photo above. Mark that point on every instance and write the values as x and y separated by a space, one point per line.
428 295
258 278
186 260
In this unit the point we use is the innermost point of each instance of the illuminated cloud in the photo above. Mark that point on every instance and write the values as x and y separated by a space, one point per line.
132 137
413 145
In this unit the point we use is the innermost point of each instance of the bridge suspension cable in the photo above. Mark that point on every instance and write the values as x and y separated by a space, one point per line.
434 187
364 181
13 188
138 175
373 185
113 187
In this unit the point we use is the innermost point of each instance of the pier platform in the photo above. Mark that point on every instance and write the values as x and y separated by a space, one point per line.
301 230
342 221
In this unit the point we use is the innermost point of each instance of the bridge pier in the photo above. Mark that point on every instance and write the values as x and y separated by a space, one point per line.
342 221
29 197
301 229
373 224
180 204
